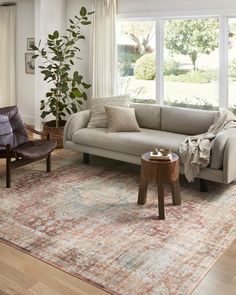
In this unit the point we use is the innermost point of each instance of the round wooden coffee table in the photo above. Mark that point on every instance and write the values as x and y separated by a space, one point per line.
160 172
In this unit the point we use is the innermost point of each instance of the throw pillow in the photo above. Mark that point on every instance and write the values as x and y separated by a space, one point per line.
98 117
121 119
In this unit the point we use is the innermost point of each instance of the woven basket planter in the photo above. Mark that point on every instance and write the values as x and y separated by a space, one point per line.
56 133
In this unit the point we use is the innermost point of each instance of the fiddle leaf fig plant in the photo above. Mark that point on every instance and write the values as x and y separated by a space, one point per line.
67 87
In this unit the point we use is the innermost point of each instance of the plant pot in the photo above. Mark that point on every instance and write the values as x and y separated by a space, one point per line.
56 133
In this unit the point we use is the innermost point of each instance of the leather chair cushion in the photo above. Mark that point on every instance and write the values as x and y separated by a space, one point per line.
35 149
12 129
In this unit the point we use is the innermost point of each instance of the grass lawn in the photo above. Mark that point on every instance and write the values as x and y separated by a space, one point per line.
192 93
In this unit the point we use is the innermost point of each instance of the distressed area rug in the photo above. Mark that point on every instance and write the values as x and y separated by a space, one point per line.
84 220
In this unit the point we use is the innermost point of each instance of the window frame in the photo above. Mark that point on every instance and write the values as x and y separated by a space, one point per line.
223 72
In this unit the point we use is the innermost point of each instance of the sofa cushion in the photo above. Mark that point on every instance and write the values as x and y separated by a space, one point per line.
121 119
98 117
185 120
148 115
134 143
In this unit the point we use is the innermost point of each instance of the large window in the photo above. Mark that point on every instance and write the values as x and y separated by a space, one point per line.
232 62
137 60
179 61
191 59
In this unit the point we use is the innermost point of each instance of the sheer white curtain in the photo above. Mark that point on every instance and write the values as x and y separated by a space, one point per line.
104 48
7 55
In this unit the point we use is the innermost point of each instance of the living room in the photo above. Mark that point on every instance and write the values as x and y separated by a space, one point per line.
117 147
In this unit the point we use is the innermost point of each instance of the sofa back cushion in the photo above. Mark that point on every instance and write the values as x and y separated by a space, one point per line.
186 121
148 115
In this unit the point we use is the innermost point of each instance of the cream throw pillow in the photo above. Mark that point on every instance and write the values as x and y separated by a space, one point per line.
121 119
98 117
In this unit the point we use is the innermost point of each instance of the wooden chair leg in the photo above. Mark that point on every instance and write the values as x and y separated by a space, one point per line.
48 160
203 185
8 172
86 158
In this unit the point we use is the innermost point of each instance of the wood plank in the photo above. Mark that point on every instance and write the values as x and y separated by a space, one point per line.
10 287
38 276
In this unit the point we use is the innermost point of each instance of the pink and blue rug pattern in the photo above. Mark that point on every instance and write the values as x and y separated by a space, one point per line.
84 219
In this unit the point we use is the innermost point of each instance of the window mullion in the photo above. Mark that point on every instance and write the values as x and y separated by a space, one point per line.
159 61
223 67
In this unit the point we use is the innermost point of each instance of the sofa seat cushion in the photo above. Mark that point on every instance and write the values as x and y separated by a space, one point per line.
134 143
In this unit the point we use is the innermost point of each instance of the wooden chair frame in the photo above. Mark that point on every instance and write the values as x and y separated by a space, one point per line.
19 162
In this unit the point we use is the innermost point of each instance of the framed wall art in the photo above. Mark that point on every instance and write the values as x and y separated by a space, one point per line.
29 63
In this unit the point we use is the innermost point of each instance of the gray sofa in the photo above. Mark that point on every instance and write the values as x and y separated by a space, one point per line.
161 126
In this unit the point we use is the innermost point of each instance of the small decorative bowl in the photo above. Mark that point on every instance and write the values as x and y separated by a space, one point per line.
165 151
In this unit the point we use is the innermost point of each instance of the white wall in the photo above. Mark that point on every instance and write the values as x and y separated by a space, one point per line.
180 7
49 16
24 82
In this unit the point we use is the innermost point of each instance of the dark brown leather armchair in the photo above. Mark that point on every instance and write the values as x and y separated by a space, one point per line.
15 143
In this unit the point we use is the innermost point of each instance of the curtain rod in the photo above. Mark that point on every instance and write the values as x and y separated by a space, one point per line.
8 4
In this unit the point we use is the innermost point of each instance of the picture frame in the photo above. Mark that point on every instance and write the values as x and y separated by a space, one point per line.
30 42
29 63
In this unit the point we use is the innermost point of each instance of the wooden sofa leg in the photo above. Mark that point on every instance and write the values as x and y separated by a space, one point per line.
86 158
203 185
8 172
48 163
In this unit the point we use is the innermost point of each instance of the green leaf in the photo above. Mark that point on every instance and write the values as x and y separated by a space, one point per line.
33 47
76 92
68 111
83 11
55 35
71 21
35 56
74 108
86 86
85 23
43 52
84 95
45 113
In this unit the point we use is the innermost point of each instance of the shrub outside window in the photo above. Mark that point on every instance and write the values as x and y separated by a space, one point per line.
137 60
178 61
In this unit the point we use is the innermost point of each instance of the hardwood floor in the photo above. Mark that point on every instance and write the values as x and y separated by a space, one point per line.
21 274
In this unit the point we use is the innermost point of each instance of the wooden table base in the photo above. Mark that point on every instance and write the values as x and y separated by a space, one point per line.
160 173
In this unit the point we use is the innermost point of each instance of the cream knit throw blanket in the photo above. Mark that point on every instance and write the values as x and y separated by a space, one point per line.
195 150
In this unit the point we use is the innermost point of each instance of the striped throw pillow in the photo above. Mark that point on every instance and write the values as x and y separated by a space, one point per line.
98 117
